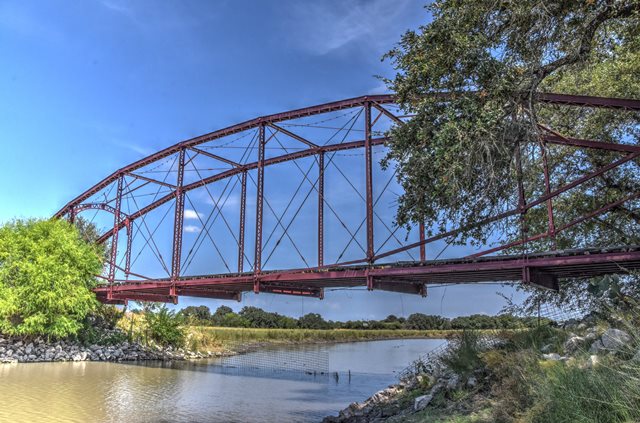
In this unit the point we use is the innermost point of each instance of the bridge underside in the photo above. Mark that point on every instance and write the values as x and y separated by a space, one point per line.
543 270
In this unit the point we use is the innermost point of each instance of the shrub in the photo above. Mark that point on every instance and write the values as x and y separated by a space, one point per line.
464 357
46 275
164 327
605 393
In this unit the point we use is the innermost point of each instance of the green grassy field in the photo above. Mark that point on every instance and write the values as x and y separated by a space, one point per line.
217 338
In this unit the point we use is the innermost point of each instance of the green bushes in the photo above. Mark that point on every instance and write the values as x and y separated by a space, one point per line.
464 357
165 327
525 387
46 275
605 393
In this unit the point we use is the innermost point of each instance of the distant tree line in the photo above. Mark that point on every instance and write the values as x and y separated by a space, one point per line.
254 317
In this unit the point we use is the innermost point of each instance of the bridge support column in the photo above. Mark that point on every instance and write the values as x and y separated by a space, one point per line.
547 186
321 209
243 209
72 215
369 180
369 282
127 262
423 252
114 233
178 220
259 202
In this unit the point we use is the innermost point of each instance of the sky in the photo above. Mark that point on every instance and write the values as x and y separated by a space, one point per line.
88 87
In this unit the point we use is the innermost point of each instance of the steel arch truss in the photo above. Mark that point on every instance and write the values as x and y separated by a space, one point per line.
310 142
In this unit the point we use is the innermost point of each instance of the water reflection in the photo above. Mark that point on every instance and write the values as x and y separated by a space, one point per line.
248 388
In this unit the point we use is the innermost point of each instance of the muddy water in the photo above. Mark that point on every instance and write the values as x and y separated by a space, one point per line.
294 384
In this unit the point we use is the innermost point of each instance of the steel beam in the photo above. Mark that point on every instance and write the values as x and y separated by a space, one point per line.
257 266
178 219
549 98
250 166
320 209
115 231
368 181
243 209
423 247
127 262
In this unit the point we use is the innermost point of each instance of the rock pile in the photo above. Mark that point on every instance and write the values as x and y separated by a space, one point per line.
38 350
384 403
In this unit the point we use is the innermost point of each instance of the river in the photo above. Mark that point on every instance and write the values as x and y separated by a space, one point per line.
292 384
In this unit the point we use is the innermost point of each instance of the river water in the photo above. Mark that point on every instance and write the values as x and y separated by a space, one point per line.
293 384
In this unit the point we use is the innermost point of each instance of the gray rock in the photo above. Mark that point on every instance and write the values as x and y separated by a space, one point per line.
596 347
615 339
472 382
552 357
421 402
573 343
452 383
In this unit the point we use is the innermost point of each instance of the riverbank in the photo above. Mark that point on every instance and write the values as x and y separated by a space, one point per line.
587 371
17 350
222 340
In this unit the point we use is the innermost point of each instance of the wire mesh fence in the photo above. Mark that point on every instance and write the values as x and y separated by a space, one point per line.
278 362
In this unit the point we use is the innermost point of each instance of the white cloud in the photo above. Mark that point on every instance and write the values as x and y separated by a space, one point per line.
191 214
322 27
192 229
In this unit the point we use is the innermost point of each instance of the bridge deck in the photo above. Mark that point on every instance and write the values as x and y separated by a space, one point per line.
542 270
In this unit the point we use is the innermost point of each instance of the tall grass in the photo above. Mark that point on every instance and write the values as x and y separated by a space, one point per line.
527 388
211 338
605 393
464 357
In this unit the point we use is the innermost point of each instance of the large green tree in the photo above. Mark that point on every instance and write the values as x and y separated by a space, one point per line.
471 78
46 275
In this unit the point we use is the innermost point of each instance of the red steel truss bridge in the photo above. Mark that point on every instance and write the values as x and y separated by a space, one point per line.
296 203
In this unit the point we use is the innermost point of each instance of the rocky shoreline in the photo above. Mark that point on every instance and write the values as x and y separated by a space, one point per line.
432 378
16 350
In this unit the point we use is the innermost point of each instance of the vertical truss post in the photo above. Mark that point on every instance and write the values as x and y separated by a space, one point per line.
547 190
127 262
369 180
243 208
423 253
114 233
259 202
178 219
321 209
72 215
521 197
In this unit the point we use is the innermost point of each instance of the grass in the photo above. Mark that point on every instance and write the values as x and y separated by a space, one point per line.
607 393
515 383
216 338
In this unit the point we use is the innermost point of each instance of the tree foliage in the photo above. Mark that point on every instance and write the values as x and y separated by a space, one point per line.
165 327
46 275
472 78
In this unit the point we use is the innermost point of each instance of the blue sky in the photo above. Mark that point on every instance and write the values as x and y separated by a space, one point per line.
88 87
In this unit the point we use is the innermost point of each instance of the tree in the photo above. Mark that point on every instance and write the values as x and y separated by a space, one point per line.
165 327
312 321
233 320
220 313
472 78
201 314
46 274
419 321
